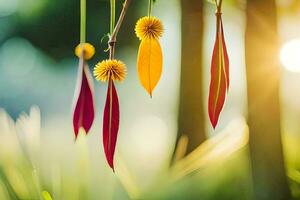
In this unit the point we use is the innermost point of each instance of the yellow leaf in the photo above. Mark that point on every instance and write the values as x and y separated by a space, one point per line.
149 63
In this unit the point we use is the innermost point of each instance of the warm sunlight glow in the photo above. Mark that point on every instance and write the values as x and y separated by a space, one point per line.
290 55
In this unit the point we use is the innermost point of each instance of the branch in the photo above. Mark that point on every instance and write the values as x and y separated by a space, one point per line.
113 38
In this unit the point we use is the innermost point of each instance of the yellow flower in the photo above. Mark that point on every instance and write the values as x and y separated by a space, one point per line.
114 69
148 28
88 50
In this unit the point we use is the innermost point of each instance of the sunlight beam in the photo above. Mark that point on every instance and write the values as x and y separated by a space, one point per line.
290 55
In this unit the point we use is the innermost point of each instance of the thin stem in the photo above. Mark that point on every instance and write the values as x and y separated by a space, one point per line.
82 21
113 37
216 2
219 5
149 7
112 15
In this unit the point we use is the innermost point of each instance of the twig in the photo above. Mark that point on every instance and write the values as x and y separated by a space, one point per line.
113 38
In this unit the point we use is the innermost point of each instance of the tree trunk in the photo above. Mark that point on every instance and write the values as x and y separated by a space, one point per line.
263 75
191 112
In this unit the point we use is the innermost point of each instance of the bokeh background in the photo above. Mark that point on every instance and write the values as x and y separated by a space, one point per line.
38 68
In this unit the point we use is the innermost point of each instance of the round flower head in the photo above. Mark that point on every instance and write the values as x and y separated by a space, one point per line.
87 49
148 28
114 69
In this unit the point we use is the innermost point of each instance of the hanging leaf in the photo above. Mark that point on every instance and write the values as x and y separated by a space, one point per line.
149 63
83 115
226 58
219 76
110 123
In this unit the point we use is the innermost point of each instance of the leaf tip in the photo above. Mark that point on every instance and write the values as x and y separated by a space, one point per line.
214 125
76 134
213 122
113 169
110 161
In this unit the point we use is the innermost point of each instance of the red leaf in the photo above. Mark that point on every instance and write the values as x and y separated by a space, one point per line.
226 59
219 76
83 115
111 123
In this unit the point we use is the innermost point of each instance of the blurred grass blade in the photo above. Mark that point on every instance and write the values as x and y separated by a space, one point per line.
181 148
216 149
46 195
127 179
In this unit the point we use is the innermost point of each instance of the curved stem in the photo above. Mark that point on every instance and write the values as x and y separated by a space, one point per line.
82 21
113 37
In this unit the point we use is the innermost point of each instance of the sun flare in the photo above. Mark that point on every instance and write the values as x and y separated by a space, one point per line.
290 55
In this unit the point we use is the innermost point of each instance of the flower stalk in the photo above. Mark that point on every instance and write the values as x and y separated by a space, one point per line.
112 70
82 21
150 57
149 7
112 15
83 111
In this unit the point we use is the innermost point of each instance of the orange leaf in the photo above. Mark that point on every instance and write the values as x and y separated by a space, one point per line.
149 63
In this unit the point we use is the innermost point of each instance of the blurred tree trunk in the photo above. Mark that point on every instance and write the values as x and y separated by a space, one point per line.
263 75
191 112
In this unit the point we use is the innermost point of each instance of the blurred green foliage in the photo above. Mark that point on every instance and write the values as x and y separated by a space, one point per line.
53 26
